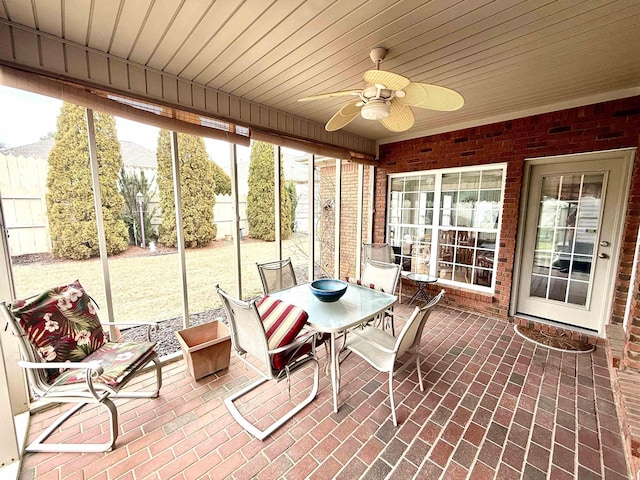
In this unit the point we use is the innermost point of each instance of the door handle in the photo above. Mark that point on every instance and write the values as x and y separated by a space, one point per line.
603 255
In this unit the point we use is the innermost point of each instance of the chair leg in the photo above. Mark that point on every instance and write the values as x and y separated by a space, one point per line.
38 444
393 405
393 328
419 372
255 431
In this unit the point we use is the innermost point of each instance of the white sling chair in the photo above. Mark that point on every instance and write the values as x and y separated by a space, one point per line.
275 356
381 350
381 276
276 275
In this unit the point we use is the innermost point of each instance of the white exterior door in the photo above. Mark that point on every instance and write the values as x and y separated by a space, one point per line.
575 208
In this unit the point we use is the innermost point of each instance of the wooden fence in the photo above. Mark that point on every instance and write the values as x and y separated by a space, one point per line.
23 189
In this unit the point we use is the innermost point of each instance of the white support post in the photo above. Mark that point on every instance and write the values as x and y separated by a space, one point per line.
277 187
14 382
312 209
337 213
175 170
236 218
14 399
372 207
359 215
9 448
102 239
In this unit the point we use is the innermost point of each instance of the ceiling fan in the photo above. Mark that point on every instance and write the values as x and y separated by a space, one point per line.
388 98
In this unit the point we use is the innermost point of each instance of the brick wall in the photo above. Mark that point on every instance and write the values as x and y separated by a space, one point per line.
602 126
348 217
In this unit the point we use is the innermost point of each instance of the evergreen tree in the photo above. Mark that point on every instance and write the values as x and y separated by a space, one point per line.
222 180
197 191
70 205
261 197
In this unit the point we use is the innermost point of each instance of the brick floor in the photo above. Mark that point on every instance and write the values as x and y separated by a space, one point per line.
494 406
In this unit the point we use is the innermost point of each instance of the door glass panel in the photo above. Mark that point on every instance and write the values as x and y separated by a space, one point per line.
568 220
557 289
538 286
578 293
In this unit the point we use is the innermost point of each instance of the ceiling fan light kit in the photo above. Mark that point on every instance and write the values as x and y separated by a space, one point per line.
387 97
375 110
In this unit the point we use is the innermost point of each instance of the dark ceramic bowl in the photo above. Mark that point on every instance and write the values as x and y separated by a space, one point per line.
328 289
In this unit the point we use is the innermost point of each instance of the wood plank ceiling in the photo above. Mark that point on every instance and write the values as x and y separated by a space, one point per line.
507 58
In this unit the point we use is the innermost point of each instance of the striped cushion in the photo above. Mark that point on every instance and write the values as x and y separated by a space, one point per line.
282 324
359 282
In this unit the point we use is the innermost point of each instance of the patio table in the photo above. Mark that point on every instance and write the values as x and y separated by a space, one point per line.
422 280
358 304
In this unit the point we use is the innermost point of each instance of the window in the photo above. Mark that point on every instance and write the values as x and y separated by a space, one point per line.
446 223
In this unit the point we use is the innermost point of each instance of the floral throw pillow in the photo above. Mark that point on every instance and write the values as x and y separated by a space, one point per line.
61 323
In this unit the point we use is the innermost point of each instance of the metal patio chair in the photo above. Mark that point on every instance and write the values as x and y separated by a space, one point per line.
268 336
276 275
381 276
380 252
69 359
382 350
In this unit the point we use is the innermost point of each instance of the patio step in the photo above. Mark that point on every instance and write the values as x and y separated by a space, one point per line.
615 344
626 385
551 328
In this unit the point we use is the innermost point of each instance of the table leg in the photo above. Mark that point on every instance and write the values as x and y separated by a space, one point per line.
335 364
415 295
420 291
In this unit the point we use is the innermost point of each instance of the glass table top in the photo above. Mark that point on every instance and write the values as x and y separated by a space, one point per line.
356 305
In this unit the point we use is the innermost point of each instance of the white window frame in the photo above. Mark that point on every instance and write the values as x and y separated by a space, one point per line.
436 228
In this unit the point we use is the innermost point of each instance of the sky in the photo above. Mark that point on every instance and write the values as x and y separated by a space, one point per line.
25 117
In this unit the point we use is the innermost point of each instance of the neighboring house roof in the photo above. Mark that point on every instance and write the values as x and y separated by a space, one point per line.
296 168
39 149
133 155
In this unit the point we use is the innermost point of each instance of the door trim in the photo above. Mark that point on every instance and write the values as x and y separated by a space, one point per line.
629 156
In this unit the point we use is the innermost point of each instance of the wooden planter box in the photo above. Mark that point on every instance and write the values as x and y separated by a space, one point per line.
206 348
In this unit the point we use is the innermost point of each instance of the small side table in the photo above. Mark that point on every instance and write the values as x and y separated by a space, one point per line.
422 280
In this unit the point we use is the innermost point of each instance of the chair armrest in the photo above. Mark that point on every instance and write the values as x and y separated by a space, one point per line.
92 371
297 343
151 326
95 366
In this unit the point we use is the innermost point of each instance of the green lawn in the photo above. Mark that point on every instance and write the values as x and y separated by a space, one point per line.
147 287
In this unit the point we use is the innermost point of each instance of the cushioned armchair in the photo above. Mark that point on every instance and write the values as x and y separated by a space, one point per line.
68 358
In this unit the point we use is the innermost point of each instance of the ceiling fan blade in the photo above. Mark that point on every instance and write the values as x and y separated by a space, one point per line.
331 94
343 117
390 80
414 94
400 117
435 98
